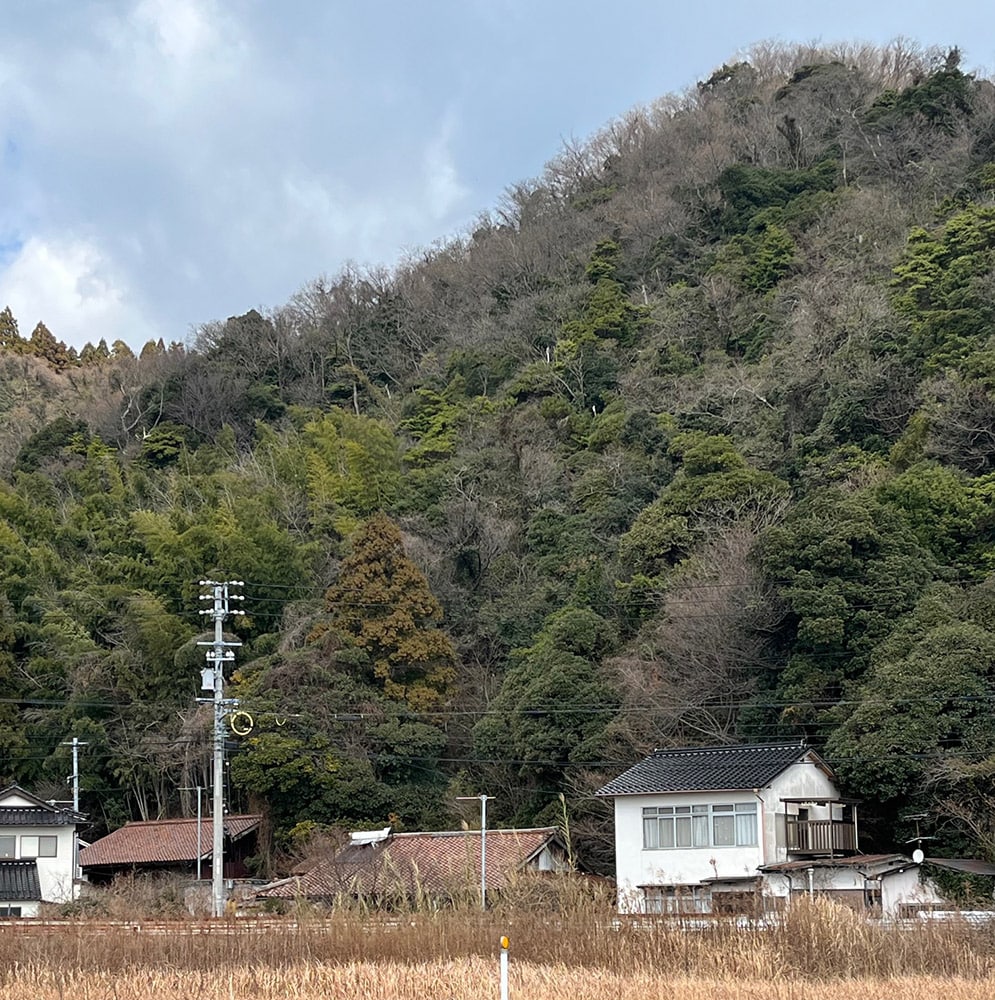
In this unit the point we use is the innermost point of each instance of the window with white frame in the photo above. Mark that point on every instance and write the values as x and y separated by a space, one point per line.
7 846
39 847
732 824
676 899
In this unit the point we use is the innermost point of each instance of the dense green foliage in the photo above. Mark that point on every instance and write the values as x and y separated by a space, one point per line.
691 439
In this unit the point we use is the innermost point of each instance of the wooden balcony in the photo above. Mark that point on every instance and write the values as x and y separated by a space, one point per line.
821 836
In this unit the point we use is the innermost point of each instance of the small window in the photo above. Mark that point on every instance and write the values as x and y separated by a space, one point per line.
723 826
7 846
676 899
6 912
746 824
39 847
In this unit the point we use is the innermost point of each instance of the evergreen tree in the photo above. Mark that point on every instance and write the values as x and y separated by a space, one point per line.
383 604
10 339
44 345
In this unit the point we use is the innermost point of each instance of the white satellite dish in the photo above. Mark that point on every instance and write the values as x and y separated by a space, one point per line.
917 856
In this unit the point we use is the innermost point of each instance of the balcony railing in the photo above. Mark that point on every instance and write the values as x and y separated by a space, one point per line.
820 836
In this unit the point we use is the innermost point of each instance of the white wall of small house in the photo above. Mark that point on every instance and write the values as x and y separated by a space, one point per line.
804 780
637 866
897 888
903 888
55 874
550 861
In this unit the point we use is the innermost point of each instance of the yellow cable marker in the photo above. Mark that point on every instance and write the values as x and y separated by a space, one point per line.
505 942
241 723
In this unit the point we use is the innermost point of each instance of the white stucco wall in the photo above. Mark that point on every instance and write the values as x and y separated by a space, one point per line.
55 875
905 888
897 888
636 866
672 866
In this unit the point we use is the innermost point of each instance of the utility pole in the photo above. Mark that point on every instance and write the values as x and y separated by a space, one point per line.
483 841
213 678
75 744
200 849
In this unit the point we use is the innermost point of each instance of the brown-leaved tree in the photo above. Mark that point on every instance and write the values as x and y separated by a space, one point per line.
382 602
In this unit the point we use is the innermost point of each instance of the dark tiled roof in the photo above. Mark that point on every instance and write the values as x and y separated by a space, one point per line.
19 881
708 769
33 816
38 813
408 863
164 841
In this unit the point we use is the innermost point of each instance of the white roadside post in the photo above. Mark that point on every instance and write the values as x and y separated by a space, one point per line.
504 967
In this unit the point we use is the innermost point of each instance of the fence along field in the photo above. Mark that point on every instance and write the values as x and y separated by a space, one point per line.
574 956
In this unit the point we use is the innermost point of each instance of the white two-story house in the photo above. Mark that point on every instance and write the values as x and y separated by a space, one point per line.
37 845
694 827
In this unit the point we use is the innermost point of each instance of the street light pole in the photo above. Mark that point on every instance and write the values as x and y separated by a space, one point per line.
200 850
482 798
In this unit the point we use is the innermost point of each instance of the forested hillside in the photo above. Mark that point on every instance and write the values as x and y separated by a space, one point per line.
690 440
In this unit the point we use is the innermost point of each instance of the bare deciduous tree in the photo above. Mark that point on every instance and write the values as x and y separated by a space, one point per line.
687 673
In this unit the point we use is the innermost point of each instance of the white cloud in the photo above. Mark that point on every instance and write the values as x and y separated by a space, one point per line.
443 188
70 287
181 29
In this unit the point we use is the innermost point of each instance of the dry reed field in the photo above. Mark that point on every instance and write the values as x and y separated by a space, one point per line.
818 951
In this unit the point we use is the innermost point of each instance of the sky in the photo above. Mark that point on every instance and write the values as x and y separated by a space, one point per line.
166 163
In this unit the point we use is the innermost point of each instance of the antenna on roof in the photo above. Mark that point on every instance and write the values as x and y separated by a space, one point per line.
917 855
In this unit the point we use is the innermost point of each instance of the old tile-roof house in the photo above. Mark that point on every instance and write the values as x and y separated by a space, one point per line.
381 867
37 843
170 845
694 826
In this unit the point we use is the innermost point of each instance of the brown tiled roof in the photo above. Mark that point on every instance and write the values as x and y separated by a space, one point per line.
162 841
407 863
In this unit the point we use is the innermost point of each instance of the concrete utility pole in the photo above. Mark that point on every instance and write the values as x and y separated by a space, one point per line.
75 744
200 848
483 799
213 678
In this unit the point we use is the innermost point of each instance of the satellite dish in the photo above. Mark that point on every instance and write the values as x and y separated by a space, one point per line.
917 856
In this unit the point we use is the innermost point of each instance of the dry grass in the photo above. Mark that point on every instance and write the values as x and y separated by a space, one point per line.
461 980
818 949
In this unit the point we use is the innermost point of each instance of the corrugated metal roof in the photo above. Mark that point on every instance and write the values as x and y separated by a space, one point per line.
970 866
709 769
857 861
164 841
408 863
19 881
